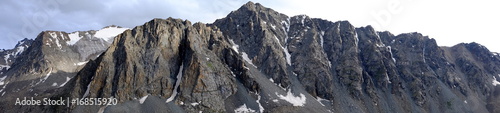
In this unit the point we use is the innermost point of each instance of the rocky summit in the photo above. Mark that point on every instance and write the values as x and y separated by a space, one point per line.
253 60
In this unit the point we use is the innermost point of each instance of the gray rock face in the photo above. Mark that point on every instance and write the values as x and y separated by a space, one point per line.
378 69
46 64
261 34
8 56
259 60
149 59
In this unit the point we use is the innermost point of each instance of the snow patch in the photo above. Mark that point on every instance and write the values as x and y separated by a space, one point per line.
495 82
54 84
303 19
54 36
235 46
244 109
378 37
322 43
143 99
57 40
73 38
19 50
278 40
58 44
81 63
6 58
321 38
67 80
47 76
195 104
423 54
2 80
356 39
338 28
285 50
109 33
279 85
390 51
5 85
286 26
295 101
245 57
380 45
273 26
260 105
233 74
465 101
288 56
387 79
177 83
320 100
20 43
271 79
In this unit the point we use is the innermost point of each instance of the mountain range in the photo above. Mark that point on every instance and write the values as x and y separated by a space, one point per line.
253 60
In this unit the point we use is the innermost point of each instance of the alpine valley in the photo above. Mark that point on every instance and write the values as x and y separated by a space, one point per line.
253 60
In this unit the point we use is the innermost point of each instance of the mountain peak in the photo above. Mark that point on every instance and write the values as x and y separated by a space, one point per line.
254 12
252 7
476 47
249 5
19 43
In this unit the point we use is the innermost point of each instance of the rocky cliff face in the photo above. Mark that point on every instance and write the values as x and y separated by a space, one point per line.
164 58
259 60
10 55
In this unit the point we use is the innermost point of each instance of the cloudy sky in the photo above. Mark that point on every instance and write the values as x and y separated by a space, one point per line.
448 21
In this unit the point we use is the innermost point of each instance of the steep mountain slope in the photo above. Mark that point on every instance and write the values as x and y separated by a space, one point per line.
50 61
10 55
158 57
259 60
